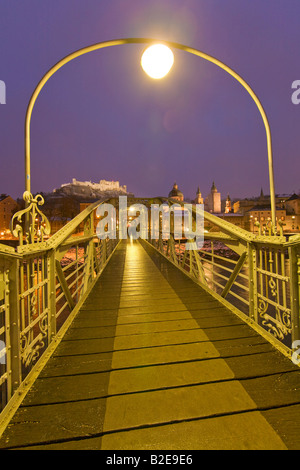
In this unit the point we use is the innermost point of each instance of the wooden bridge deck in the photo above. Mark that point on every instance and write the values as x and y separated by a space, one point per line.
154 362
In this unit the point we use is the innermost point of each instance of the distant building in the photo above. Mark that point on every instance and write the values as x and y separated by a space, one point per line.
92 191
213 200
244 205
199 198
8 206
228 207
244 213
292 220
263 215
292 205
238 220
60 209
176 194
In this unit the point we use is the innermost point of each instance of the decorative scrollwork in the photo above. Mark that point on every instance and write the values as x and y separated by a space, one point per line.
273 287
33 340
262 307
280 326
257 224
281 226
30 350
30 224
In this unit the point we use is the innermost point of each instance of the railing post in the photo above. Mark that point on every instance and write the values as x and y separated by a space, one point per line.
89 268
252 263
212 262
294 258
51 295
172 249
14 333
201 273
103 252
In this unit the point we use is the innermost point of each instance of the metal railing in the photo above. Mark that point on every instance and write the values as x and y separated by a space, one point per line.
257 276
43 283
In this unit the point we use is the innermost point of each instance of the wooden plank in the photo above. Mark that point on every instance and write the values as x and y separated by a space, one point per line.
159 339
163 406
43 424
92 319
163 355
285 422
243 431
269 362
245 346
153 377
85 346
67 389
230 332
84 333
59 366
274 390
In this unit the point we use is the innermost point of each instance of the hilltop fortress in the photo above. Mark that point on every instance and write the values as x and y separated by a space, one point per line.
89 190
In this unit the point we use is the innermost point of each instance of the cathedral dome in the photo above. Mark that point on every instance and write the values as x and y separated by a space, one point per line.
175 192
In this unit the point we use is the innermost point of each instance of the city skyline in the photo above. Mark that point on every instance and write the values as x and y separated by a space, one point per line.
191 193
101 115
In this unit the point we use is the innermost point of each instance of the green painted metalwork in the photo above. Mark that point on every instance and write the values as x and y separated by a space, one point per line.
35 224
259 275
173 45
44 282
42 285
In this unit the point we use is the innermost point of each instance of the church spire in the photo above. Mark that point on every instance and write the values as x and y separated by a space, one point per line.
228 207
199 198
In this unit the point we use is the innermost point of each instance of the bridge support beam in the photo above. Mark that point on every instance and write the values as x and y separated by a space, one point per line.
253 310
234 274
294 257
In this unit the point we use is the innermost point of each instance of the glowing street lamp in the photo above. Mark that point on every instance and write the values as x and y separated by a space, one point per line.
157 61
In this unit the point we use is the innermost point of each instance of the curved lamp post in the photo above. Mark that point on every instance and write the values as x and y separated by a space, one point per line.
174 45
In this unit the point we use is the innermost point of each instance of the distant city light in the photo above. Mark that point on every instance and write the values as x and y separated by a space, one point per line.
157 60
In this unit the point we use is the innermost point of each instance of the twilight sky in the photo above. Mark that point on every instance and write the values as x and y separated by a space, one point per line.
101 117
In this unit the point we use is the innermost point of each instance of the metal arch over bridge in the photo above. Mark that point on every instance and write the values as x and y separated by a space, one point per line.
119 344
149 41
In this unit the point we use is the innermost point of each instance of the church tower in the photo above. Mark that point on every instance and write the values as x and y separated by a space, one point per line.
199 198
228 207
214 200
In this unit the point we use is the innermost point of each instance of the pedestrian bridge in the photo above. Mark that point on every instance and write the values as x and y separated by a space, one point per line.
142 344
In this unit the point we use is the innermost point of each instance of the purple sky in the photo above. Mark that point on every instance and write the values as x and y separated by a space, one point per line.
101 117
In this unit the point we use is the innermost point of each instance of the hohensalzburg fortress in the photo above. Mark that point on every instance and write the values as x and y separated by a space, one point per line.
89 189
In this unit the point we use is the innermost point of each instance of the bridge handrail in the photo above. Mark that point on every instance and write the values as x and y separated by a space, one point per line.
64 233
42 287
7 250
44 283
255 275
229 228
